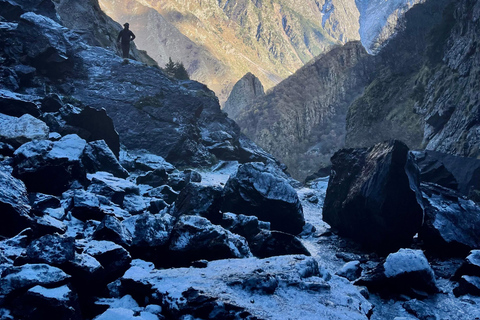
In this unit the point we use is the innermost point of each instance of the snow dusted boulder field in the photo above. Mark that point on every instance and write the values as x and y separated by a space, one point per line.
215 229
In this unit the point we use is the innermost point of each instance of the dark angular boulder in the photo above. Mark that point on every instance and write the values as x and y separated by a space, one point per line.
145 161
200 200
86 206
51 249
246 226
114 259
99 157
16 279
468 285
178 180
51 103
47 224
59 303
135 204
155 178
195 238
92 125
454 172
115 189
404 272
257 189
40 202
275 243
111 229
14 205
452 222
471 266
373 196
165 193
48 50
150 236
16 105
50 167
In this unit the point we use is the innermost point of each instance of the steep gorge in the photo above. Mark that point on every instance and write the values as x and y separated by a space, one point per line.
421 88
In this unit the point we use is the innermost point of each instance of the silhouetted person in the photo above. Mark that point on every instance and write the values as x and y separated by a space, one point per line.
125 36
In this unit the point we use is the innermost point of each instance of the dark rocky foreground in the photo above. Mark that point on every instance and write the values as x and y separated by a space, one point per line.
126 194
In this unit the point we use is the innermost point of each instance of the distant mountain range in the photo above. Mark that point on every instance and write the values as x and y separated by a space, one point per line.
219 41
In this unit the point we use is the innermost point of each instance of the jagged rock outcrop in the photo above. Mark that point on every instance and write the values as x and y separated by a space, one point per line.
244 93
373 196
426 93
302 120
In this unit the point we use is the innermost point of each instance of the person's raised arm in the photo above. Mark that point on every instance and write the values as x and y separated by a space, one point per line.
132 36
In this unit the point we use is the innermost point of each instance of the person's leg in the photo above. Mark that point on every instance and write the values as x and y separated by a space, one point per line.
126 50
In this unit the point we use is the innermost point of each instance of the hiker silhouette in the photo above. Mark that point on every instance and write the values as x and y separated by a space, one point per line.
124 37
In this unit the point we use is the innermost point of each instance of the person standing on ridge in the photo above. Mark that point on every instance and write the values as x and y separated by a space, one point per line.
125 36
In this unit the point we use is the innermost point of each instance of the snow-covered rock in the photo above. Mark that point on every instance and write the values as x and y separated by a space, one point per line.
50 167
225 286
113 258
406 271
275 243
99 157
51 249
195 238
112 229
471 265
350 270
256 189
30 275
57 303
201 200
17 131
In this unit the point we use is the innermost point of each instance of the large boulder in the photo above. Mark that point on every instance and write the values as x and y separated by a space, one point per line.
150 235
99 157
50 167
257 189
59 303
452 222
17 131
15 279
15 104
111 229
51 249
373 196
275 243
201 200
49 49
195 238
406 271
114 259
14 205
92 125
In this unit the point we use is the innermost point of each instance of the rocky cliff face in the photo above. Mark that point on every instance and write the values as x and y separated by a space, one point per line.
380 20
426 93
302 121
244 93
